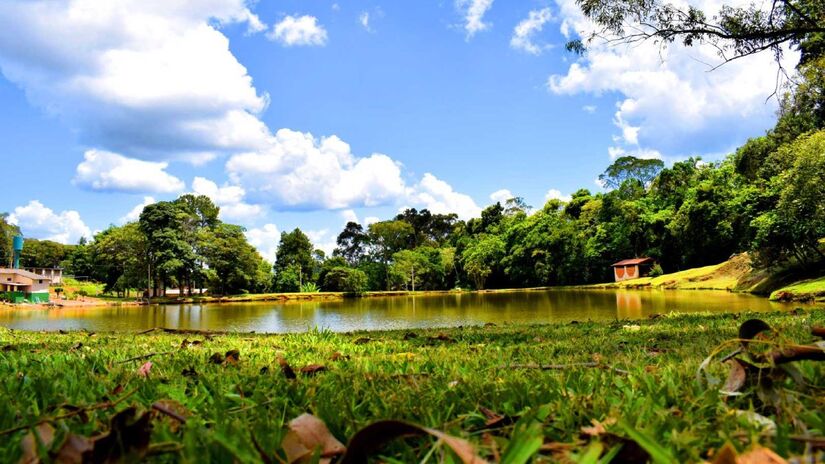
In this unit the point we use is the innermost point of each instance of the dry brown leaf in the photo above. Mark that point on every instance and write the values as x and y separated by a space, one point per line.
372 437
30 443
760 455
307 433
337 356
736 378
286 368
73 450
232 357
174 411
312 369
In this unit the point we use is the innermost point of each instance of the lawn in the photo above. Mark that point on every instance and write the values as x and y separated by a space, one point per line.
620 387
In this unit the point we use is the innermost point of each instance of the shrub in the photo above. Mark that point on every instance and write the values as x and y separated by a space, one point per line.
656 270
344 279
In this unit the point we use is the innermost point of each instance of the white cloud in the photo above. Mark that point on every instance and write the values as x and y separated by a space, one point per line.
349 216
671 100
523 33
37 221
146 79
643 153
371 220
323 240
134 213
440 198
590 109
364 19
501 196
473 12
298 171
230 198
297 31
554 194
111 172
265 239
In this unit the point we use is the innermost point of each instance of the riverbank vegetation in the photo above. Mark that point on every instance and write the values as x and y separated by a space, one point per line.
639 388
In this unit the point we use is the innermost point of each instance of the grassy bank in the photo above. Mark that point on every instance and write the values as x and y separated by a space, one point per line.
638 382
807 290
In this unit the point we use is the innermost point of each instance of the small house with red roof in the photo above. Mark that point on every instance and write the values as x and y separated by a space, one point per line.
632 268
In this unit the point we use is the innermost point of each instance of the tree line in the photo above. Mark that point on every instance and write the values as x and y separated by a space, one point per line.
767 198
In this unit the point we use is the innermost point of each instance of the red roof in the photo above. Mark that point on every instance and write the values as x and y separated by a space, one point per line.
632 262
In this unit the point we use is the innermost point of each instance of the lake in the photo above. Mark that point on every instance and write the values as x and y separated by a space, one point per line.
398 312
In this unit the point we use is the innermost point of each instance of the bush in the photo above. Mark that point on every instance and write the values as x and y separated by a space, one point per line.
344 279
656 270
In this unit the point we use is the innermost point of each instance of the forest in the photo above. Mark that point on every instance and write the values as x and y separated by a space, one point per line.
766 198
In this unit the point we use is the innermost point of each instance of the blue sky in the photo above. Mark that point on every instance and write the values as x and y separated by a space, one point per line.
311 113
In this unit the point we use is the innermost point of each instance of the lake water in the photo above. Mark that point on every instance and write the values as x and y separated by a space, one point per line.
400 312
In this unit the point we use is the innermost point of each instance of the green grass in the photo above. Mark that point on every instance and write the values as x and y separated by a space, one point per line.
439 379
812 289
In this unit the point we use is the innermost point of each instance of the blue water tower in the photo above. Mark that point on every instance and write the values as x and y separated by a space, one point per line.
18 249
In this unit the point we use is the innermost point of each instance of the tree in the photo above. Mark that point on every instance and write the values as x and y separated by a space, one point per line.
171 257
481 257
7 233
352 242
293 261
119 255
734 31
631 168
387 238
233 260
344 279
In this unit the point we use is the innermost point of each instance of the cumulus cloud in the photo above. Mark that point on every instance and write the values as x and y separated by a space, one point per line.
670 98
473 12
323 240
440 198
299 31
525 30
298 171
265 239
134 213
146 79
230 198
554 194
37 221
371 220
111 172
349 216
501 196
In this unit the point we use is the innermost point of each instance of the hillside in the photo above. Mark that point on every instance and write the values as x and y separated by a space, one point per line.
737 274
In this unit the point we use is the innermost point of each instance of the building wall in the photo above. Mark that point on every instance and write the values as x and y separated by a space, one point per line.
621 273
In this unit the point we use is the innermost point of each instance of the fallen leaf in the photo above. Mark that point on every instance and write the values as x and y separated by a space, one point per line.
736 378
76 346
306 434
143 370
495 420
42 434
410 335
363 340
312 369
232 357
286 369
73 450
372 437
760 455
337 356
127 438
216 358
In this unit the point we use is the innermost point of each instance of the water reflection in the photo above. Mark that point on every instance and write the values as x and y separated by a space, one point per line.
392 312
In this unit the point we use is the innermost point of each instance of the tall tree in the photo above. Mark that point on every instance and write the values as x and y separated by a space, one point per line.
631 168
293 261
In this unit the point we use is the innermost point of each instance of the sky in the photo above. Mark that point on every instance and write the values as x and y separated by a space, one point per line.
312 113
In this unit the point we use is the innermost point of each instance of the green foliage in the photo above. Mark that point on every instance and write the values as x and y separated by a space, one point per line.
310 287
656 270
294 262
345 279
630 168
